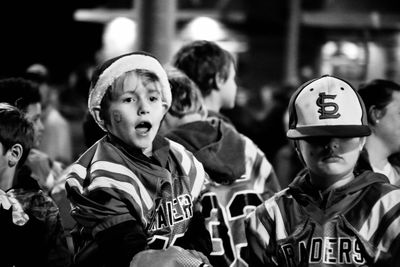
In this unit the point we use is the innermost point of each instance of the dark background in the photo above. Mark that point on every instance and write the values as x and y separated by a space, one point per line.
45 31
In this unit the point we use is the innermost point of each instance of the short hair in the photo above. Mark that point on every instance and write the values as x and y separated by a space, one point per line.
186 97
19 92
202 60
15 129
378 93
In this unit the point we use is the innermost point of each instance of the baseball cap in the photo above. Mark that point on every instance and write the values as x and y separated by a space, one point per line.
327 106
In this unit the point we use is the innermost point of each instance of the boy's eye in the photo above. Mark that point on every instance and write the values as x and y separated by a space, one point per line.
128 100
36 119
153 98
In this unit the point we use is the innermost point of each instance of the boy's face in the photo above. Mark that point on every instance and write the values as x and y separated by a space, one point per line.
136 112
228 88
33 114
329 157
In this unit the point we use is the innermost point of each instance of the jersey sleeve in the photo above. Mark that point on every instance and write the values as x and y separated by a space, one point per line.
113 195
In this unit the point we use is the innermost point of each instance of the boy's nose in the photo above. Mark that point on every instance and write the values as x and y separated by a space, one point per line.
40 125
144 107
332 144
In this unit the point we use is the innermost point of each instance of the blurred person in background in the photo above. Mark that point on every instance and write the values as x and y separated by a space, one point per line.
31 230
25 95
381 151
213 70
56 135
241 176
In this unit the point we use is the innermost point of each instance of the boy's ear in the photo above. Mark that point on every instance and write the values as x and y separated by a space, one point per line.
165 107
375 114
98 117
14 154
219 81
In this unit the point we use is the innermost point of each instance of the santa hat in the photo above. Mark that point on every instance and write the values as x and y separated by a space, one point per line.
105 75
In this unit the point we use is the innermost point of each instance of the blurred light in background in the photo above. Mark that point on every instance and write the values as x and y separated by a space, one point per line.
351 50
206 28
344 58
343 48
329 48
119 37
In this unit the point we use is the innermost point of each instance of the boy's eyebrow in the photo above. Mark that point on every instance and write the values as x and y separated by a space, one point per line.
149 91
154 90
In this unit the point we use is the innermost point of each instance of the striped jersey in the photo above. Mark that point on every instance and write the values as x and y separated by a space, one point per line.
241 179
357 224
109 185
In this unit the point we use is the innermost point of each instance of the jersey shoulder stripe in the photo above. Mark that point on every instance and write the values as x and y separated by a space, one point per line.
97 170
116 168
193 169
361 209
381 225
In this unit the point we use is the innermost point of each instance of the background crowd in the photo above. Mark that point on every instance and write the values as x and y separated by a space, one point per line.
58 177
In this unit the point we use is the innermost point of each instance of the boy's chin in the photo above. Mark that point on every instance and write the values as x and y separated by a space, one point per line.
145 143
334 173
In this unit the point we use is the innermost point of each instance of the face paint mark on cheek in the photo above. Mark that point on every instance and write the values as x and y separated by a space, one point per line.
117 117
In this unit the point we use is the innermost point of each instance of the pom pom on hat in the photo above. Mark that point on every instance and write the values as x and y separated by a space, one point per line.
105 75
327 106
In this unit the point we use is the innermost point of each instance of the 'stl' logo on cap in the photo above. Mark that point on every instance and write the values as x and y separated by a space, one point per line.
328 110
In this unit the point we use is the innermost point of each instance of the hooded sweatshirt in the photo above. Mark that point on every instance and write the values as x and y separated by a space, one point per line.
356 224
241 178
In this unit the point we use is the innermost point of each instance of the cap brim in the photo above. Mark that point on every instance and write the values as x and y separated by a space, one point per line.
343 131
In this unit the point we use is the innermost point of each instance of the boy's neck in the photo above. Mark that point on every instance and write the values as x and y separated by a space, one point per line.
190 118
6 179
122 145
378 152
326 184
213 101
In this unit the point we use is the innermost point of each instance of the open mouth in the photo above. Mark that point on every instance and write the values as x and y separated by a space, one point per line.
143 127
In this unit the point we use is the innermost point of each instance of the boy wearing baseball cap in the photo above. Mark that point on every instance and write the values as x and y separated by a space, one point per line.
134 190
328 215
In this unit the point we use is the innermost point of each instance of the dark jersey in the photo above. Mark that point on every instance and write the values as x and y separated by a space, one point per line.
357 224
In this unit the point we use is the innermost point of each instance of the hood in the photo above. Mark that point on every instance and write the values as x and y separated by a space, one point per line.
304 192
217 145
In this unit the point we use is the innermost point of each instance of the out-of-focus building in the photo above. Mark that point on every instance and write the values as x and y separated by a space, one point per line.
358 40
272 40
